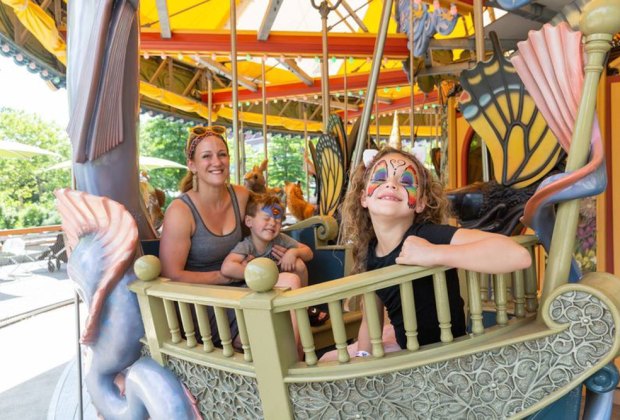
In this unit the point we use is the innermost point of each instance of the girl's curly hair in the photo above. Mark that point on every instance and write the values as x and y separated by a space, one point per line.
356 228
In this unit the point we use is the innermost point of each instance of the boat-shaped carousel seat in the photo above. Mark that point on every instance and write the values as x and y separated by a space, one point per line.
543 345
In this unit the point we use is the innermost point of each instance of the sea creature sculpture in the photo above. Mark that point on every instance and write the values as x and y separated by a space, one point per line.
550 63
103 240
102 85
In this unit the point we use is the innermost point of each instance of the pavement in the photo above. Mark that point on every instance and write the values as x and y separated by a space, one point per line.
37 337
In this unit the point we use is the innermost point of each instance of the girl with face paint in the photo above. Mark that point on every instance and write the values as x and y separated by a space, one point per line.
396 213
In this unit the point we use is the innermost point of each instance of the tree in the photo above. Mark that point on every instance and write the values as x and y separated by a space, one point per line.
162 138
26 198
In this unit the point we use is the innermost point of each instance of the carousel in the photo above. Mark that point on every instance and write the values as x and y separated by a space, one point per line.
509 103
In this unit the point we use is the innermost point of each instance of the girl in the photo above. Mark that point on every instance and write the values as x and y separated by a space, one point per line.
395 213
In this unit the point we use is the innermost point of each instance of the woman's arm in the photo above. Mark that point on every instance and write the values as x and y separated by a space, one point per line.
302 251
174 248
363 336
469 249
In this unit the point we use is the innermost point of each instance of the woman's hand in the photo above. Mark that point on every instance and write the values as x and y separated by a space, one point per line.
287 262
278 251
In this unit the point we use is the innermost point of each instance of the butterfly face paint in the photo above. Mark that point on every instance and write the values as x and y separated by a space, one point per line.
274 211
409 180
378 177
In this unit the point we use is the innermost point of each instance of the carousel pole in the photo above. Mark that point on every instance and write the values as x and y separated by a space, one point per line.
235 89
264 99
210 96
480 55
411 79
346 98
372 83
324 8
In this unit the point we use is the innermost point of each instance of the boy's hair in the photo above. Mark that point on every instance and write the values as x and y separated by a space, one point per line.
259 200
356 227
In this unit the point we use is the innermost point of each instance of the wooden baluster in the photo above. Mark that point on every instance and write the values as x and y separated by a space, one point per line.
531 285
519 293
409 316
374 326
223 328
443 306
173 322
188 324
338 329
305 335
475 304
501 316
205 328
243 336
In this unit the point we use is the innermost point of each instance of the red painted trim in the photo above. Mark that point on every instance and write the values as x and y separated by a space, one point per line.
336 83
293 43
469 135
402 103
609 208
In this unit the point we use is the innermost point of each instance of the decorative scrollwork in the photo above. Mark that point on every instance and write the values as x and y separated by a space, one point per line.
497 383
219 394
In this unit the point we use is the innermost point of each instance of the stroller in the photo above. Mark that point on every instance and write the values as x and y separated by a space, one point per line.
56 254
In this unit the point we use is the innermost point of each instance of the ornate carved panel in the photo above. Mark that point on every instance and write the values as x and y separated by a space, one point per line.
491 384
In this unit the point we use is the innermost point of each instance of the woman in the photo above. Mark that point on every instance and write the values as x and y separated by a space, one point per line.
205 222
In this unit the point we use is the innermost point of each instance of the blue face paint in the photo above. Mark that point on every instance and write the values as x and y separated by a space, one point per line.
274 211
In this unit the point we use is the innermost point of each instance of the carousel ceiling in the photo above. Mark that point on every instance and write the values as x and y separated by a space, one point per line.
186 47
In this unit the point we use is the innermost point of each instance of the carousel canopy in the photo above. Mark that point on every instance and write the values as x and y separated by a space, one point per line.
185 48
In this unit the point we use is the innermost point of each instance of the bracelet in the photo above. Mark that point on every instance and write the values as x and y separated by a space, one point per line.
362 353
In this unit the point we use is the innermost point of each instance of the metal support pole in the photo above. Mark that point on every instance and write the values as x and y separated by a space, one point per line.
210 96
264 99
235 89
480 55
372 83
324 8
346 99
411 76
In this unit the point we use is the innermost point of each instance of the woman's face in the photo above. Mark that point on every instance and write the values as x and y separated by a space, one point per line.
392 188
211 161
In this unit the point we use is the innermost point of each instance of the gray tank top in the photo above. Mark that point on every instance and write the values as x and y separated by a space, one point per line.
208 250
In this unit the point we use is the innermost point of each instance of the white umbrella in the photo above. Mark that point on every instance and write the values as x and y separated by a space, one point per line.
14 150
145 162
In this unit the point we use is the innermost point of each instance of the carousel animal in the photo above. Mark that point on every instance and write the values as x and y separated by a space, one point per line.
254 181
296 204
154 200
103 238
102 86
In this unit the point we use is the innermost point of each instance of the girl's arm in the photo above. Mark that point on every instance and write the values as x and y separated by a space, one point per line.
363 336
174 248
234 266
469 249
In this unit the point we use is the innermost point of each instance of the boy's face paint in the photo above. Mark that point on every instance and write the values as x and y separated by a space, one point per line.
378 177
274 211
403 174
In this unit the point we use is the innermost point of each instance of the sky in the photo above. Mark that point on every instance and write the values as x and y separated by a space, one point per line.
20 89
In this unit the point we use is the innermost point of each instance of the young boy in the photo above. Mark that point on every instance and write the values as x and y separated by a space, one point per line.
263 215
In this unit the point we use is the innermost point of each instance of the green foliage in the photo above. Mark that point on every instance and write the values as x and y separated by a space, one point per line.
285 159
162 138
26 198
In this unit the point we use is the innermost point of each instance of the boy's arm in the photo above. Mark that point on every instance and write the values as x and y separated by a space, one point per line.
234 266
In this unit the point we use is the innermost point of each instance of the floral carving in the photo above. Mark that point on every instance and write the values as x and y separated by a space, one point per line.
497 383
219 394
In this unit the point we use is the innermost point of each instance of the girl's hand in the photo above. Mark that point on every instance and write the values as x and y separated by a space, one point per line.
287 262
278 252
418 251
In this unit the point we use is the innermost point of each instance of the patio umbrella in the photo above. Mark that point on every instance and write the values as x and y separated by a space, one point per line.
14 150
145 162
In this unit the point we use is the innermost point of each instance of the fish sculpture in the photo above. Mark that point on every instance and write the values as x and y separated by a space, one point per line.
102 238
